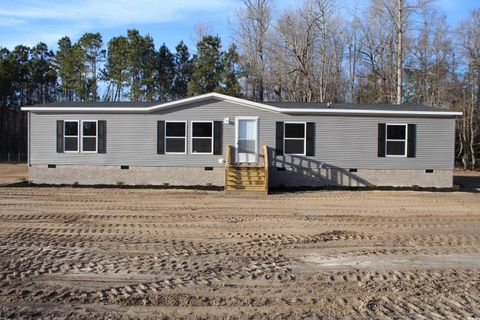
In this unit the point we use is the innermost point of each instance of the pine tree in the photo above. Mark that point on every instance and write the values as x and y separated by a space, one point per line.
70 68
141 64
183 71
231 73
207 66
43 74
116 68
93 54
165 73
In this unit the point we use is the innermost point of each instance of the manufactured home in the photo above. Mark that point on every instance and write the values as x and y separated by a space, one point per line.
218 140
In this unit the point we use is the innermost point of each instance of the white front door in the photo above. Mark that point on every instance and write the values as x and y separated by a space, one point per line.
247 139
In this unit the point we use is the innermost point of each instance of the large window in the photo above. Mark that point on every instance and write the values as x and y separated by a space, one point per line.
396 140
71 136
202 137
175 137
89 136
294 138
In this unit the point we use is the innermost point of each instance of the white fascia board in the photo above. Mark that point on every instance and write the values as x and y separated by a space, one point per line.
239 101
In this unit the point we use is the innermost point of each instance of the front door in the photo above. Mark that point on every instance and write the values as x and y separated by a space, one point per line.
246 139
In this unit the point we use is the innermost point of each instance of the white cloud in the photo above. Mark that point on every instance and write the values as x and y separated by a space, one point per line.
111 13
30 21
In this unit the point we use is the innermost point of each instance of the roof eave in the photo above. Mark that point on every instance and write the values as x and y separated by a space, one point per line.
239 101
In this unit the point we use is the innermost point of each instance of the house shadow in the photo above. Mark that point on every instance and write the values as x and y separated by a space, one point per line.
467 181
303 172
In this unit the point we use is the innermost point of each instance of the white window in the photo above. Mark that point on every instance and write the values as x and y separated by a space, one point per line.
396 140
202 137
294 141
175 137
71 136
89 136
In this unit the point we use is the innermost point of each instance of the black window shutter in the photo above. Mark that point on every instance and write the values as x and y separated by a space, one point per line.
279 138
161 137
217 137
381 139
412 141
310 139
60 136
102 136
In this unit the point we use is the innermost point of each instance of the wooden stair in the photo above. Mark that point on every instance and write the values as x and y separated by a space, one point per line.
243 180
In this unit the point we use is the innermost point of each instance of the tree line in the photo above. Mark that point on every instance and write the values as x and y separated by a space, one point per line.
390 51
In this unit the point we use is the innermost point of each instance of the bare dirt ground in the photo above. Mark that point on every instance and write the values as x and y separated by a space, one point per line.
13 173
146 253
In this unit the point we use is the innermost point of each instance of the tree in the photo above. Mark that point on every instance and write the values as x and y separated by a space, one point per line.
183 71
251 27
141 64
399 12
71 68
165 73
116 68
207 66
469 33
43 74
91 45
231 72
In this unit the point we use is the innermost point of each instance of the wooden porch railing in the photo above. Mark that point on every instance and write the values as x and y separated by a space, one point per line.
265 163
228 162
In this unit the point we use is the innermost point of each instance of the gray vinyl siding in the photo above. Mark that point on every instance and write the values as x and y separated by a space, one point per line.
340 141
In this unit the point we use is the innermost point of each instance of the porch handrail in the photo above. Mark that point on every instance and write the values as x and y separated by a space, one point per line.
265 163
228 160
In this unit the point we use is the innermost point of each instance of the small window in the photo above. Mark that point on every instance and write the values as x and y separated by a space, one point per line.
294 138
175 137
71 136
396 140
89 136
202 137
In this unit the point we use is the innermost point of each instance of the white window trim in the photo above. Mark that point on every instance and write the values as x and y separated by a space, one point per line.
96 136
402 140
77 136
192 137
178 137
304 137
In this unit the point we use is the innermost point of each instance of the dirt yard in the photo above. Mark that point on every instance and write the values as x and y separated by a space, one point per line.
146 253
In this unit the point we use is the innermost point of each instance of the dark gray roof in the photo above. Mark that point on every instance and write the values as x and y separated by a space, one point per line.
354 106
282 105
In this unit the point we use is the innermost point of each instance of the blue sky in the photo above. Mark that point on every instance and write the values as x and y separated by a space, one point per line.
31 21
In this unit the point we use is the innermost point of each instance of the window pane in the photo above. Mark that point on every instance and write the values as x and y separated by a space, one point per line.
89 128
294 146
247 129
246 146
396 132
202 145
89 144
71 128
175 129
294 130
202 129
71 144
175 145
396 148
